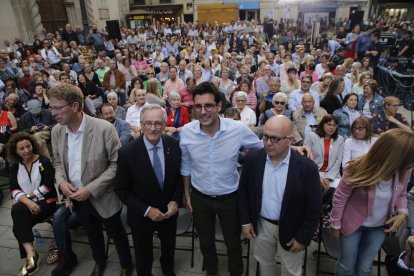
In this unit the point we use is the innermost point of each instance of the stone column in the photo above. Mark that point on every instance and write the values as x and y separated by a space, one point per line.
34 16
89 12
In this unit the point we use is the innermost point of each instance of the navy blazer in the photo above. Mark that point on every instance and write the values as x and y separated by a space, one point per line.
302 200
136 183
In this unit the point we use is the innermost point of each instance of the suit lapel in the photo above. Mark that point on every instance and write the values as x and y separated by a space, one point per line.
167 156
290 183
259 177
63 148
86 143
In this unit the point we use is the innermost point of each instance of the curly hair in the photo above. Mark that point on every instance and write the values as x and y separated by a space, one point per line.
13 157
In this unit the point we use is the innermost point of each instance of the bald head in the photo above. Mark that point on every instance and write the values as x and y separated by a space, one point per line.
280 123
308 103
277 137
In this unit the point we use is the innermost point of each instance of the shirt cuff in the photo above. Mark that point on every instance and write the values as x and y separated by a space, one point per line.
147 211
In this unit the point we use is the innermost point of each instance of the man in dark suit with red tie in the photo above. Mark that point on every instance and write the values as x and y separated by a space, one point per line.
149 183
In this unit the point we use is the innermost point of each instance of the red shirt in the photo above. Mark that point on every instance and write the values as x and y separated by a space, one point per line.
327 144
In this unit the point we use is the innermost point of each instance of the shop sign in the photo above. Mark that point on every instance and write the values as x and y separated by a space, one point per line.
161 12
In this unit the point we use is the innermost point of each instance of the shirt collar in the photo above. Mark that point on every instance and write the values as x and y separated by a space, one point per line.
150 146
285 161
81 127
223 125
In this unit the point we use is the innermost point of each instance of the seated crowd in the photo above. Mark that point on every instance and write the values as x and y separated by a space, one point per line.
164 117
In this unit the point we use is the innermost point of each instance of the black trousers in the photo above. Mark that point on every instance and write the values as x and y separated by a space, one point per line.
23 221
93 224
205 211
142 234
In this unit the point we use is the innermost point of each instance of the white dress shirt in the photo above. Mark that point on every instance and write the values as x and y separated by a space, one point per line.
273 189
74 149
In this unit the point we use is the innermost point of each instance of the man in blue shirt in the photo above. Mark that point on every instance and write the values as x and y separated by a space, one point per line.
210 148
364 43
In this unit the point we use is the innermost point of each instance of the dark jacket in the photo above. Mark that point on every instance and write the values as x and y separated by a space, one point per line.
302 200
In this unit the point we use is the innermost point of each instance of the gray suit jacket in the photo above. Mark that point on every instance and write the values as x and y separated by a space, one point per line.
336 150
99 156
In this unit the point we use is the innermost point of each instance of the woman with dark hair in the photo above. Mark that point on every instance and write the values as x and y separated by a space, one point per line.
360 141
347 114
327 148
331 101
33 193
93 96
291 83
371 201
140 64
370 102
187 95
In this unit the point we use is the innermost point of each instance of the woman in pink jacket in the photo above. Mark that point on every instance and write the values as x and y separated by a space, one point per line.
371 201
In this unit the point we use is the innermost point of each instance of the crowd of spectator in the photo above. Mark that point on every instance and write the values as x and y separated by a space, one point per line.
255 73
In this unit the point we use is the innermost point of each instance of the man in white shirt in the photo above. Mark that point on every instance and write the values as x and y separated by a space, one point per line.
51 54
85 151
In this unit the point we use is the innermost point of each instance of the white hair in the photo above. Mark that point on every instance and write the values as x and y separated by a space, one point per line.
240 95
152 107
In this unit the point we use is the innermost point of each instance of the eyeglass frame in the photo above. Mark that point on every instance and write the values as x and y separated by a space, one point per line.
58 108
157 124
207 107
274 140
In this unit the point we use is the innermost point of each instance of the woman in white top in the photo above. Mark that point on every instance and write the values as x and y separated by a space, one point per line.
226 84
248 116
291 83
360 141
355 72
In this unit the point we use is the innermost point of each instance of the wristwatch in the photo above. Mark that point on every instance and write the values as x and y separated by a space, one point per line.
30 196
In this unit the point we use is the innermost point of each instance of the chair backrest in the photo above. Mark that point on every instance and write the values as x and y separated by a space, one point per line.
332 246
183 221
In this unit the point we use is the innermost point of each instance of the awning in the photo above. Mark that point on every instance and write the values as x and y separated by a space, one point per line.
244 5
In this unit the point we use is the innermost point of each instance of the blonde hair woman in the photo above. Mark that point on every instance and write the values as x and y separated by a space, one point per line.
153 94
358 88
371 200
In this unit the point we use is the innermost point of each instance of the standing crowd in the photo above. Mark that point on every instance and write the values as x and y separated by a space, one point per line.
251 123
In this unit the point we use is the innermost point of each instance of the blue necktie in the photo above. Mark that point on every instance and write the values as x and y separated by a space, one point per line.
156 164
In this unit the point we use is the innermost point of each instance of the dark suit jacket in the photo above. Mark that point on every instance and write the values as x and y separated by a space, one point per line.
302 200
136 182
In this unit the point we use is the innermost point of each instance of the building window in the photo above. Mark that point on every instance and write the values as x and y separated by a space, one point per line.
165 1
139 2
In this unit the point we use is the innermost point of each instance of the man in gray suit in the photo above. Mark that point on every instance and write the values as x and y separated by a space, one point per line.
85 151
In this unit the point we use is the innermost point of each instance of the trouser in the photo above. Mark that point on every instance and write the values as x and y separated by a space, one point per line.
205 211
142 234
24 220
63 221
358 251
267 245
93 224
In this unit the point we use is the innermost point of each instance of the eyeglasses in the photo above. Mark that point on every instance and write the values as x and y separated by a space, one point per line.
276 102
273 140
58 108
306 82
156 124
240 101
395 105
150 73
358 128
207 107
